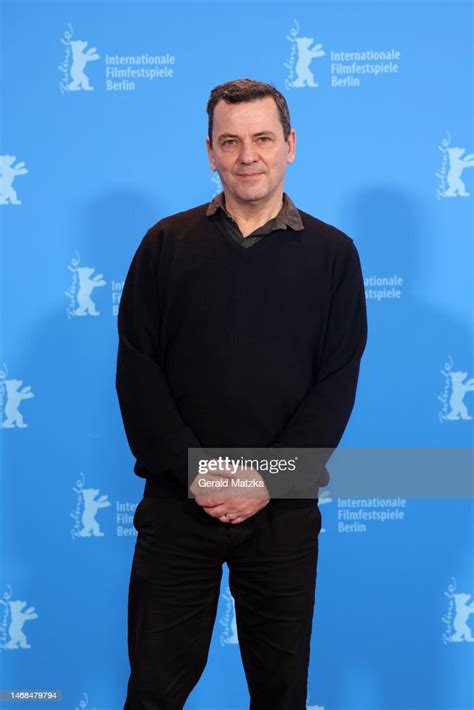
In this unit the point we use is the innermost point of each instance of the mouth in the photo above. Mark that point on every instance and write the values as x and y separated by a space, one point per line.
247 176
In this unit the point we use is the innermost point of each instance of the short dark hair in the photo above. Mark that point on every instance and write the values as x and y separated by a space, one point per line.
241 90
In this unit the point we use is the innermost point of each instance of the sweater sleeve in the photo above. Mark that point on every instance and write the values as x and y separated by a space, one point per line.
156 433
321 417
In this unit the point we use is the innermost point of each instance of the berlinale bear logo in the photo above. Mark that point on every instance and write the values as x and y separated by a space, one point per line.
74 63
13 620
453 164
80 291
456 618
456 386
90 526
88 502
303 51
8 172
11 397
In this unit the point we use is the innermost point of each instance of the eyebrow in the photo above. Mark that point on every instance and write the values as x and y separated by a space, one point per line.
255 135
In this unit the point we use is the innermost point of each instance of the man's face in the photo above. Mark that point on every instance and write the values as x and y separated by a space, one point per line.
249 150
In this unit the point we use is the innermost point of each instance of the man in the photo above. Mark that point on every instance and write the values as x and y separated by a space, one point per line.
242 324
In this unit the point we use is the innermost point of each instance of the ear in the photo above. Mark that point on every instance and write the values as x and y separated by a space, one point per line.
291 143
210 154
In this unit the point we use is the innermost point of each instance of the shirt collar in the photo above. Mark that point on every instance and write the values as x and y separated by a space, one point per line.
288 216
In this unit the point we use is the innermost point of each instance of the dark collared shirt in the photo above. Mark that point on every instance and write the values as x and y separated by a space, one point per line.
288 216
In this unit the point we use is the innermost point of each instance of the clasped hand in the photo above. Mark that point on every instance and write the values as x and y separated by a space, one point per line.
231 496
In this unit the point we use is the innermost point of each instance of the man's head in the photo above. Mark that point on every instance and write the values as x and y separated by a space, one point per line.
250 140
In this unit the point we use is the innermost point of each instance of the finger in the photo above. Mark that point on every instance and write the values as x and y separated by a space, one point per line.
216 513
218 508
207 501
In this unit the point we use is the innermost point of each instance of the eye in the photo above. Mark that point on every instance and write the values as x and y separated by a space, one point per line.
228 142
264 138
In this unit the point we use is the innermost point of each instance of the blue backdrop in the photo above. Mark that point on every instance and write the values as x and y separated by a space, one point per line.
103 134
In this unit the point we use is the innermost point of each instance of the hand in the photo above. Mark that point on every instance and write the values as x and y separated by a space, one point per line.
233 496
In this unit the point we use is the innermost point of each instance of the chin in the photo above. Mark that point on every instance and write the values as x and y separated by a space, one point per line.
252 192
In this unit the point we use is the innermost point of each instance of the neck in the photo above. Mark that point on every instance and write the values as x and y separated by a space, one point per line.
250 215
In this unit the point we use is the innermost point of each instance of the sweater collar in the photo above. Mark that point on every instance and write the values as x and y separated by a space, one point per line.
288 216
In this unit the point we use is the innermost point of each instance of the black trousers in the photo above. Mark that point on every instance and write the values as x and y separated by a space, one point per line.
174 591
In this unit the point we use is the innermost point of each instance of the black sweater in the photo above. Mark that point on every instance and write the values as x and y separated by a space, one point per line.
221 346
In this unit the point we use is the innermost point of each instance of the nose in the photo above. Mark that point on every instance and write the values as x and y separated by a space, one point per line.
248 153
